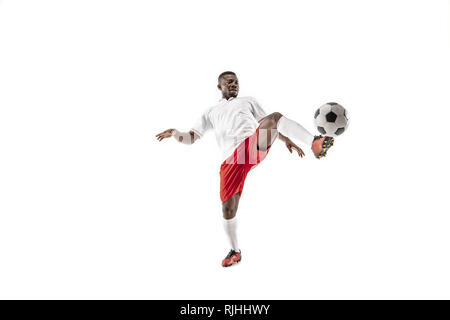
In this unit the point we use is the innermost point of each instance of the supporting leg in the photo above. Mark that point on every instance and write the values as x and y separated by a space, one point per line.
229 209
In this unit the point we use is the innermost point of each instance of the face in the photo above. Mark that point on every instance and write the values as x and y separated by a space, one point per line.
229 85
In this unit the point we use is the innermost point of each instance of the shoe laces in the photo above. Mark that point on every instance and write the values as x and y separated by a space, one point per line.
317 137
231 253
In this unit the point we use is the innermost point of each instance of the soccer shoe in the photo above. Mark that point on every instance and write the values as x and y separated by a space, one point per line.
321 145
232 257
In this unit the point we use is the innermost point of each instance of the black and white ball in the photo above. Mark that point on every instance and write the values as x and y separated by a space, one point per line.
331 119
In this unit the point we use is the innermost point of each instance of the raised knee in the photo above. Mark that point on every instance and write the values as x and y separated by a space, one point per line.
276 116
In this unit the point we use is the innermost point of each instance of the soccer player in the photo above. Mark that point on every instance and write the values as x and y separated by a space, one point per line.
245 134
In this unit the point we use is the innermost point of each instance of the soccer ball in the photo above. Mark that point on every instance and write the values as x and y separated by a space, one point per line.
331 119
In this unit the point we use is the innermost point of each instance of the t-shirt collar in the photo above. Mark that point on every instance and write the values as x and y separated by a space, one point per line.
223 99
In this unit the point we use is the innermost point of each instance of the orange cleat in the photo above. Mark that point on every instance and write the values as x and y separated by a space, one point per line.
232 258
321 145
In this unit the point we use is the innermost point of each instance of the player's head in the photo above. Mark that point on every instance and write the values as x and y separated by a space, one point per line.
228 84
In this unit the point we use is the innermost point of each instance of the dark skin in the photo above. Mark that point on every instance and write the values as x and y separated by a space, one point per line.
229 86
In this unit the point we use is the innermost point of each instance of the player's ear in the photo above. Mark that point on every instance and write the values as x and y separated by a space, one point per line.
219 87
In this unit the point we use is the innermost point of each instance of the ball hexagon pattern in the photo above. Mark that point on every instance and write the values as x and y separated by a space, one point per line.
331 119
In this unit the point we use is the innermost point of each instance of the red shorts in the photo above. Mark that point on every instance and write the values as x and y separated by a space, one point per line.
235 168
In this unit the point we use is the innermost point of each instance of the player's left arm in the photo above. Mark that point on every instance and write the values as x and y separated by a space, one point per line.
291 145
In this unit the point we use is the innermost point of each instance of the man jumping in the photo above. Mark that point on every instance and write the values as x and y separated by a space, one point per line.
245 134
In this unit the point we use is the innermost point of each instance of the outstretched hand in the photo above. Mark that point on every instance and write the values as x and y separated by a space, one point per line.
165 134
290 145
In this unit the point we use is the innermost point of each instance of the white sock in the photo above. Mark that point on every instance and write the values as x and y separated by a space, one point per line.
230 226
295 131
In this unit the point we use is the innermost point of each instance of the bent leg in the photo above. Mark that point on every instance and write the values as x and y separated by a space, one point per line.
294 131
268 131
277 123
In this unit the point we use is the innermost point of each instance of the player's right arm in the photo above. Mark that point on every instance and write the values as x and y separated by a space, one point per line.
182 137
202 125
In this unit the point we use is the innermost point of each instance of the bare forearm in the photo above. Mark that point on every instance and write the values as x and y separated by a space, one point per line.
282 138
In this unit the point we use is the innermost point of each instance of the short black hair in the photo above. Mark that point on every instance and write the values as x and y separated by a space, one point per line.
225 73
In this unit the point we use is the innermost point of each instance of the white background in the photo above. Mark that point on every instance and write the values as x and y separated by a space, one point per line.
92 206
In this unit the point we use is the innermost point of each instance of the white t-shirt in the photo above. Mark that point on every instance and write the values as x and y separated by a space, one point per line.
233 120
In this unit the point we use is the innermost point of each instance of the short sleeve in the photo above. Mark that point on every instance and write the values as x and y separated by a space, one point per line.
257 111
202 125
